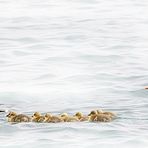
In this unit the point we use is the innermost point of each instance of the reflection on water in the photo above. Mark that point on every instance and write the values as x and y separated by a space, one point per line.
68 56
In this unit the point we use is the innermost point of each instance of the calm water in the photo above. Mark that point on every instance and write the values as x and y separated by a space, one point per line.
74 55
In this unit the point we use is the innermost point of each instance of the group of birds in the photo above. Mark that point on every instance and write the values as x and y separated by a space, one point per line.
93 116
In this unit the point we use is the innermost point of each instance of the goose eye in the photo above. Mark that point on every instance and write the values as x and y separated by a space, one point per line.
92 113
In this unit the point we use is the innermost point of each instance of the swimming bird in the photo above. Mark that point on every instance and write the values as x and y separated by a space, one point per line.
52 119
14 117
68 118
37 117
81 117
100 111
94 117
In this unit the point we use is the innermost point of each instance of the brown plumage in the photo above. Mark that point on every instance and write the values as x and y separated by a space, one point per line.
81 117
68 118
37 117
52 119
94 117
106 113
14 117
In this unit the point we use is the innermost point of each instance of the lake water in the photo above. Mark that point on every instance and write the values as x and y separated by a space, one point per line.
74 55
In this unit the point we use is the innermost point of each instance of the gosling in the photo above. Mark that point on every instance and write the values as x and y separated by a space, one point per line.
68 118
100 111
49 118
37 117
81 117
95 117
14 117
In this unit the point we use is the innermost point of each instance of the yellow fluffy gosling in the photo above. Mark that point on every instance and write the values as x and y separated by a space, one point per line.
68 118
14 117
81 117
100 111
49 118
37 117
94 117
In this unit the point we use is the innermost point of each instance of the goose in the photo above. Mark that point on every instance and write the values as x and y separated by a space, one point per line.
53 119
81 117
95 117
37 117
68 118
14 117
100 111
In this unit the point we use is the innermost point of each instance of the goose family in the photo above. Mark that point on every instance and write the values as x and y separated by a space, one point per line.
94 116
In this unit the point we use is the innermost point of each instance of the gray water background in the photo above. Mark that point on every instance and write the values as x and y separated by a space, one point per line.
74 55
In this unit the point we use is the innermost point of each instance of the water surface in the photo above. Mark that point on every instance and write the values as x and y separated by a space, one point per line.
70 55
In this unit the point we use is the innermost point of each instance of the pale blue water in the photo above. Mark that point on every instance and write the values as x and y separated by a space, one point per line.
69 56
